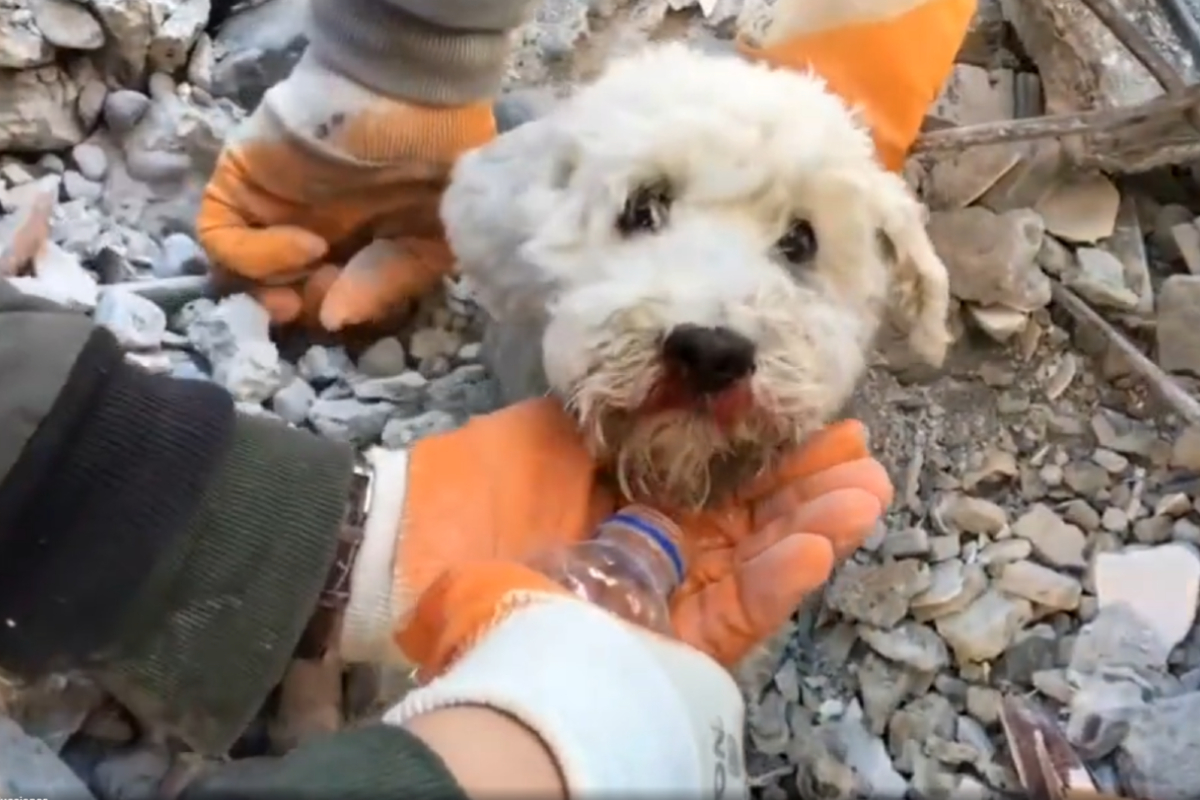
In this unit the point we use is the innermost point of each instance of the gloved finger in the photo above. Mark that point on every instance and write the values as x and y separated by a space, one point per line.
843 516
283 304
315 289
866 474
256 253
380 279
461 604
832 445
729 617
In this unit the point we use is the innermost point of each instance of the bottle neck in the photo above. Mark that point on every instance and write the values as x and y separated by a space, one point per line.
655 540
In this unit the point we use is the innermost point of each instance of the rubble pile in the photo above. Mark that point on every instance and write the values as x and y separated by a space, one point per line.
1044 541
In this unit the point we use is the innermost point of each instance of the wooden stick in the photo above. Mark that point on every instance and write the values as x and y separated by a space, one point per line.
1084 122
1163 384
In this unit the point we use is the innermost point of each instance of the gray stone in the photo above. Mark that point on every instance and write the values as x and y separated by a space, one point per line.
1100 278
383 359
28 768
235 337
321 366
67 25
877 595
77 187
294 401
181 255
59 277
90 160
260 47
1099 716
909 643
132 774
408 391
466 391
1040 585
1056 542
973 515
849 741
906 543
1117 639
349 419
1159 756
405 432
992 257
138 323
124 109
38 107
986 627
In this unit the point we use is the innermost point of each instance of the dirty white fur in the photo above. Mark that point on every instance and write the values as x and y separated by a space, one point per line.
745 151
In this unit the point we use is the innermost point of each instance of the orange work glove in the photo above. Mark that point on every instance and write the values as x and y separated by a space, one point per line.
889 58
515 483
325 201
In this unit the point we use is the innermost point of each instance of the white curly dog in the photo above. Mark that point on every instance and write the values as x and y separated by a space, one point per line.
696 252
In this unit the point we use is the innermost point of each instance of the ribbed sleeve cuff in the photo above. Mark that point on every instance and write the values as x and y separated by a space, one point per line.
392 51
214 630
375 762
100 493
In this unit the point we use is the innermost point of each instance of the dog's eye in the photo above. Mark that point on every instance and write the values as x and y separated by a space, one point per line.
645 210
799 243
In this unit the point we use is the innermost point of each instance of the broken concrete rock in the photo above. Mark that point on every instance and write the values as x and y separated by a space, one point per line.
986 627
992 257
130 28
1178 330
1083 67
1160 584
1100 279
1081 208
22 45
37 108
1159 756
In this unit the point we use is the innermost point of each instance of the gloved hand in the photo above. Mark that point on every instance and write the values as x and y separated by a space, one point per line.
622 710
515 483
890 58
325 202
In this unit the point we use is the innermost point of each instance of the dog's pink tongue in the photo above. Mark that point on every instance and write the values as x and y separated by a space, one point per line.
732 404
726 408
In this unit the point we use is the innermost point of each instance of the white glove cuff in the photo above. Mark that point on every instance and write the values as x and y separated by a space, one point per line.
375 606
622 710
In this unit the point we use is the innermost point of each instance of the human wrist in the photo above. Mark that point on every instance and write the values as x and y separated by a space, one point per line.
489 752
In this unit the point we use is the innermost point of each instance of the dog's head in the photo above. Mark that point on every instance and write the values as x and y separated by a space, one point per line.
711 245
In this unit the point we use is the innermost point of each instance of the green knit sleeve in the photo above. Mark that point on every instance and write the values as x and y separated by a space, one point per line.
375 762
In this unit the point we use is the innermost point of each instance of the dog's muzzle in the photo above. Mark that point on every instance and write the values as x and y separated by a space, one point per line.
706 370
707 360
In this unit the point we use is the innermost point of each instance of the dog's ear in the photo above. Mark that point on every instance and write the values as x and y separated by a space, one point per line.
920 285
499 200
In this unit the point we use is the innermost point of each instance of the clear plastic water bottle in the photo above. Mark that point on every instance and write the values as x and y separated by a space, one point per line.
630 566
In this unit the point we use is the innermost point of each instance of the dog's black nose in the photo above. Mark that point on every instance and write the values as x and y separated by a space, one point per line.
711 359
